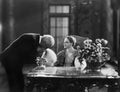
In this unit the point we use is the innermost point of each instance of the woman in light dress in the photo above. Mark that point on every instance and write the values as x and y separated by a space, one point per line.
69 56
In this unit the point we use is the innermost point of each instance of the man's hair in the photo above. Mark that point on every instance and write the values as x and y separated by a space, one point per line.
47 41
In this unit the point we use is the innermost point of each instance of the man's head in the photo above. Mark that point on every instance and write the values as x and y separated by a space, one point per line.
47 41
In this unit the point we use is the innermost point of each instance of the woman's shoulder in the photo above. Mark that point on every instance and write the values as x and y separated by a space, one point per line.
62 52
50 50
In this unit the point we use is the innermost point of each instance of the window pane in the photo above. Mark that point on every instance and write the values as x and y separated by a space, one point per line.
62 31
59 29
65 9
59 32
65 31
58 9
65 22
59 43
52 31
59 22
52 9
52 22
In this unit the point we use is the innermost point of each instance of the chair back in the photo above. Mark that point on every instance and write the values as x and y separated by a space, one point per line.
79 40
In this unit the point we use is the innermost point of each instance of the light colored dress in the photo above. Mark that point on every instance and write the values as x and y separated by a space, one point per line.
50 57
81 65
69 58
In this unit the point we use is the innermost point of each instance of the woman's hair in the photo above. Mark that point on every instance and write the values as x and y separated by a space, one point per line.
47 41
72 40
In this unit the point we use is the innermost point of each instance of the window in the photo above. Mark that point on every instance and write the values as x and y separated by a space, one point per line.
59 23
59 9
59 26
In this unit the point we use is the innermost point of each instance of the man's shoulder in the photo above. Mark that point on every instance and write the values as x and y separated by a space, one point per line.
50 51
29 35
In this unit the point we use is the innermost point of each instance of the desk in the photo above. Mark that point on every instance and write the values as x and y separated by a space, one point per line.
52 76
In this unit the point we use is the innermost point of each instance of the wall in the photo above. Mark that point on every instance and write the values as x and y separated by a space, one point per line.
21 16
28 15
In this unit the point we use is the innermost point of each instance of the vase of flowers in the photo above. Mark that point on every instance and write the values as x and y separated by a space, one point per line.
95 53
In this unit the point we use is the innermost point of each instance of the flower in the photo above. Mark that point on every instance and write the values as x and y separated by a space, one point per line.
40 61
95 51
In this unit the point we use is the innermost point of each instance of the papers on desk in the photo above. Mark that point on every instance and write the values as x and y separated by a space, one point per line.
45 71
72 71
109 72
54 71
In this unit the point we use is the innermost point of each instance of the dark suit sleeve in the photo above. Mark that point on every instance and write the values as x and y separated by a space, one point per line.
22 50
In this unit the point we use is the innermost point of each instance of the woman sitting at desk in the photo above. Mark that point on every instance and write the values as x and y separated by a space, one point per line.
69 56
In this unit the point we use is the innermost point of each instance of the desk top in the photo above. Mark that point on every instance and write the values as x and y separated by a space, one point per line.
70 72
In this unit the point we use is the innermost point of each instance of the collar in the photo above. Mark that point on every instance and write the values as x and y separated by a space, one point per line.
40 37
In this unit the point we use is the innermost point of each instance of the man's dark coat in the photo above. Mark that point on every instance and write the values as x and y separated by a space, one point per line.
22 51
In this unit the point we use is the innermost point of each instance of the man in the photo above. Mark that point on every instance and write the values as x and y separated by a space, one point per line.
23 51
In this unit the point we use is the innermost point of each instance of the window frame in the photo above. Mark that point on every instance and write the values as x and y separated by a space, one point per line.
60 5
60 15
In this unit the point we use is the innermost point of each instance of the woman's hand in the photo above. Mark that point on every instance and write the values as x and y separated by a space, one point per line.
41 61
79 65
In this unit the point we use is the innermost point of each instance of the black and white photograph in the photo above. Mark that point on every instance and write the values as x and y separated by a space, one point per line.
59 45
